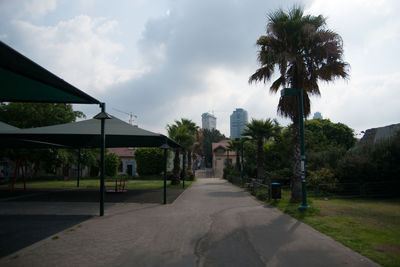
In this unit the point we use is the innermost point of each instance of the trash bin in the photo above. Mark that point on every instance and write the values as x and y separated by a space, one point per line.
276 191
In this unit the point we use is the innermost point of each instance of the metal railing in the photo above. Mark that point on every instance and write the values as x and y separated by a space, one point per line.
368 189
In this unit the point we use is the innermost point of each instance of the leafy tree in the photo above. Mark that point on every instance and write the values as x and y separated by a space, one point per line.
26 115
304 51
321 133
29 115
149 161
278 153
209 137
111 163
261 130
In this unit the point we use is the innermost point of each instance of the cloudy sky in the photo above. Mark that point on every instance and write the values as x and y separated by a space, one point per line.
167 59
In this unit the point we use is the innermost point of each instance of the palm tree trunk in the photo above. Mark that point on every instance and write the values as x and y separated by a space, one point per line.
260 160
189 159
296 179
176 171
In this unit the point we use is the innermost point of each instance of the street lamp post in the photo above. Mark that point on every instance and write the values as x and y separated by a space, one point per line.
299 94
102 116
165 147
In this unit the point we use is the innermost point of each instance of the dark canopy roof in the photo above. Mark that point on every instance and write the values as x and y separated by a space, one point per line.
20 143
86 134
7 127
22 80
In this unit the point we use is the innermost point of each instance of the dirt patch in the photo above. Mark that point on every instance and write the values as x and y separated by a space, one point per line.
388 248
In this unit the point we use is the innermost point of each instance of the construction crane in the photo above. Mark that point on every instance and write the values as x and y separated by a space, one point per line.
130 114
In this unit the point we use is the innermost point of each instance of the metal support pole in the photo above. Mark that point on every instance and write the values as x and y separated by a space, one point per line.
165 176
102 167
79 167
304 205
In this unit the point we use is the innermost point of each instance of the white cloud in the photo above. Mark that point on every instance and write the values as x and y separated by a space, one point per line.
38 8
78 50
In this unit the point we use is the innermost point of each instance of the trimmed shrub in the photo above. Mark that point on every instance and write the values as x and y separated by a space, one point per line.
149 161
321 176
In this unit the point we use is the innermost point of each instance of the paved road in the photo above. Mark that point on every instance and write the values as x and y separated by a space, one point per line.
212 224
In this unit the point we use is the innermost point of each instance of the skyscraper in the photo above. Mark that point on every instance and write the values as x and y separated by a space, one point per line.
208 121
239 118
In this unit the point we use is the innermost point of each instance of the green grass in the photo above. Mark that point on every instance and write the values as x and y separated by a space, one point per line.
368 226
95 183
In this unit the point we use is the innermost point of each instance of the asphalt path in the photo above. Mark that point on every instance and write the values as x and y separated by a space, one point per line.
213 223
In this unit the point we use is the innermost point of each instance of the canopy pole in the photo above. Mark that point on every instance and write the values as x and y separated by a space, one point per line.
165 147
183 167
102 153
79 167
165 176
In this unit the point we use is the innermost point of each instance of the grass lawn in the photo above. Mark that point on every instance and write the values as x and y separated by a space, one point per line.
368 226
95 183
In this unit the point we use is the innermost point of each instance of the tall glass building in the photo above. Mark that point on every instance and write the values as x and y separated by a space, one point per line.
239 118
208 121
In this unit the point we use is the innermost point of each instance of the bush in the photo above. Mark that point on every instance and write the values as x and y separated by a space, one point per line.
261 194
321 176
281 176
111 162
230 172
189 175
149 161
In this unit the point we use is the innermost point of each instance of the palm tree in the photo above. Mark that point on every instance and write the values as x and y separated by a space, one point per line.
236 146
182 136
304 51
193 130
260 130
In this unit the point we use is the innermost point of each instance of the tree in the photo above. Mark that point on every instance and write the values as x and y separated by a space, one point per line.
235 145
181 135
260 130
192 129
322 133
209 137
27 115
304 51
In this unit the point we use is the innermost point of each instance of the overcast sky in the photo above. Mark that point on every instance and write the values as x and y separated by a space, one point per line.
167 59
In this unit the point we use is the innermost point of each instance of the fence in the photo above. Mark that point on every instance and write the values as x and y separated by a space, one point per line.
351 190
370 189
204 173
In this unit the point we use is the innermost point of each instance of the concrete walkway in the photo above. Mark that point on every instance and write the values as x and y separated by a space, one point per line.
212 224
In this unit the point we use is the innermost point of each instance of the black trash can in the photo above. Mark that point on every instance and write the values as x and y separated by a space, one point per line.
276 191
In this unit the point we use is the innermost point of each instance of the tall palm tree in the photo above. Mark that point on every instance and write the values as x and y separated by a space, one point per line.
193 130
182 136
304 51
261 130
236 146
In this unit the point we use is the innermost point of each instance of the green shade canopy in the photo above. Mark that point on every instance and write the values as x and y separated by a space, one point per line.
20 143
7 127
22 80
86 134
